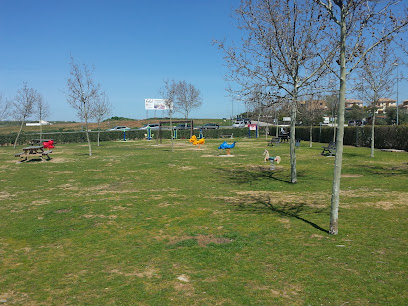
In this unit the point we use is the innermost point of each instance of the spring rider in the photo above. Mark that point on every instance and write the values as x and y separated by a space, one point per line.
196 141
228 147
272 160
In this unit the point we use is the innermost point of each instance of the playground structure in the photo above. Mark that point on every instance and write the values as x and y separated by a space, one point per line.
196 141
161 128
226 146
48 144
272 160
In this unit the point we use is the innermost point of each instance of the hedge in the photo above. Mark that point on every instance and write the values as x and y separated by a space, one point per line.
386 137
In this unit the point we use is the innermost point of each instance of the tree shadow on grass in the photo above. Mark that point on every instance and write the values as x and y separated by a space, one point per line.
388 170
244 176
263 204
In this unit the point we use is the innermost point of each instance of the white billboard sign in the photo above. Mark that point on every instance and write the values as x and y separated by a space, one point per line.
156 104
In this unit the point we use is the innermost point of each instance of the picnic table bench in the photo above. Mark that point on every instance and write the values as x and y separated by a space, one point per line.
40 141
330 150
274 141
227 135
33 151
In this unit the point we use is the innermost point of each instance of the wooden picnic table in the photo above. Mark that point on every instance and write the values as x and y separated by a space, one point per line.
39 141
33 151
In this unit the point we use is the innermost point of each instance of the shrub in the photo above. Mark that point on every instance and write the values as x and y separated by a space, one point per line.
386 137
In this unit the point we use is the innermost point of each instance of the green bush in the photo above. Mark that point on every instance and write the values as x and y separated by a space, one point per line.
386 137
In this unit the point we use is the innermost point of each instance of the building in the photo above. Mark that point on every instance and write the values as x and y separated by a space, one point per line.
314 104
42 122
404 105
383 103
350 103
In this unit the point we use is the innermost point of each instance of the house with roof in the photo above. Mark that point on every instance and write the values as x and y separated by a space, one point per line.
404 105
383 103
350 103
314 104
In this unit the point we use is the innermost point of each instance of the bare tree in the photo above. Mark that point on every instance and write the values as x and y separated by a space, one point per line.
188 97
24 102
42 110
281 50
377 80
82 92
5 107
310 115
169 93
101 109
362 25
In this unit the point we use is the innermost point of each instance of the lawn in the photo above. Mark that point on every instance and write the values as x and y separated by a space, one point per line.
139 224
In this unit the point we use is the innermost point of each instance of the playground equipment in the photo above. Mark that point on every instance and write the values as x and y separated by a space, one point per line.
48 144
226 146
196 141
273 160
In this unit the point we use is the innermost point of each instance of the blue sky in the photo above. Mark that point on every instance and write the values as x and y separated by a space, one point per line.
134 46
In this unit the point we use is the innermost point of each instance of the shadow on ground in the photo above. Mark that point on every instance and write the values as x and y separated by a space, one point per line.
245 176
263 204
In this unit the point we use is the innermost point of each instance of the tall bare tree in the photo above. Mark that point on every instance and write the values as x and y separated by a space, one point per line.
82 92
169 93
188 98
377 80
101 109
5 107
362 25
281 49
42 110
310 114
24 102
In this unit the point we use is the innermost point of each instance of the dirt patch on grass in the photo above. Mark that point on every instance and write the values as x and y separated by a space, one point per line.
187 168
62 211
150 272
68 187
4 195
89 216
60 160
202 240
40 202
351 175
285 222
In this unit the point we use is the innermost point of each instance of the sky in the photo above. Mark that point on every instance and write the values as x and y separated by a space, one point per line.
133 45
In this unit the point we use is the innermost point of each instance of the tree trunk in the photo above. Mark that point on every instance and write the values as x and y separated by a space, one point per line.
372 134
40 130
334 212
99 131
293 176
18 134
171 132
311 136
86 130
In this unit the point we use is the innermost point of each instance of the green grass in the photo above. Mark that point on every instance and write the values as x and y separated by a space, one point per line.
139 224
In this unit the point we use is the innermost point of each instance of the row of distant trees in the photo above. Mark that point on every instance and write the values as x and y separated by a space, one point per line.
27 102
83 94
86 96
